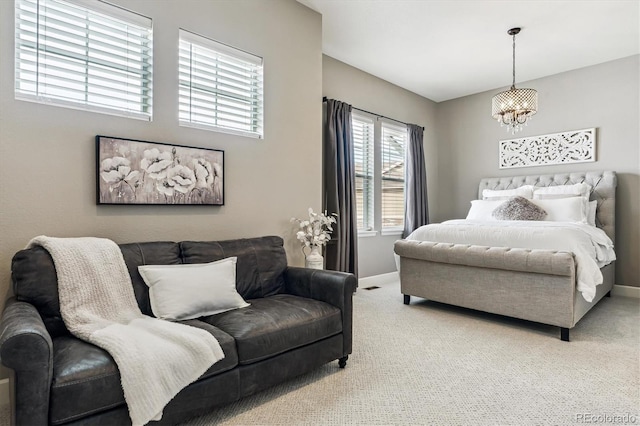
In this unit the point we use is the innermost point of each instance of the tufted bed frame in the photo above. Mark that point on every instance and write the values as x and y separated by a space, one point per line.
534 285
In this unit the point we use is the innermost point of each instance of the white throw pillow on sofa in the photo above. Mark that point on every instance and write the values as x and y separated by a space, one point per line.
181 292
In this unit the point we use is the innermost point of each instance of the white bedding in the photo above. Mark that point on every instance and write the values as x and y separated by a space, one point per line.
592 248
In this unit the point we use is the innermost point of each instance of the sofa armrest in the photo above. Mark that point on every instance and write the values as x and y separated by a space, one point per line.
26 347
333 287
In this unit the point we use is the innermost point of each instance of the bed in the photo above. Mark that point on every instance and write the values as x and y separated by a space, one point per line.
545 284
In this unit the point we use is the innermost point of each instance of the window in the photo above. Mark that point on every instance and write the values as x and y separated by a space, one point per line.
379 158
392 174
363 159
87 55
220 88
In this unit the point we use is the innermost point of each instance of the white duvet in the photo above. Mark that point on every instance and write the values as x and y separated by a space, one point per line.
592 248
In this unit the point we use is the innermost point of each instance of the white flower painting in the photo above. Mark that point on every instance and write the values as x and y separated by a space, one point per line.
138 172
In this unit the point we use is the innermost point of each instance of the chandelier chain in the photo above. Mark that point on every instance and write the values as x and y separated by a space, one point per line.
513 85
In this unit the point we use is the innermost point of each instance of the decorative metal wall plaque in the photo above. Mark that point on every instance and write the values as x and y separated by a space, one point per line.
576 146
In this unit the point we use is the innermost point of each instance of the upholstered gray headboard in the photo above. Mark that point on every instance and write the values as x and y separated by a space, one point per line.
603 186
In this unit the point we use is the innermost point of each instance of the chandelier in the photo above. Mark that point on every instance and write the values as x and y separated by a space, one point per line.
513 107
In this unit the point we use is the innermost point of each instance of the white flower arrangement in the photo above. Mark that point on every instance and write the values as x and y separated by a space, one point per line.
317 230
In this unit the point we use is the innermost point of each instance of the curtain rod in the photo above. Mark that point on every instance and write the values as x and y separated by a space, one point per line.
325 99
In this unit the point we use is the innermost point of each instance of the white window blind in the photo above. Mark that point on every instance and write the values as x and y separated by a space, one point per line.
221 88
363 159
83 54
393 160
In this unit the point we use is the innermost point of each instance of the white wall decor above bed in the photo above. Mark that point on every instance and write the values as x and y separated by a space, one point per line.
575 146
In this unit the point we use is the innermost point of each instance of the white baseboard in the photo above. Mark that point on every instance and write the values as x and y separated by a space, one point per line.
387 278
626 291
5 397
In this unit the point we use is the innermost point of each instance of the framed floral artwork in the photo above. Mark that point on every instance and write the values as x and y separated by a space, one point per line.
139 172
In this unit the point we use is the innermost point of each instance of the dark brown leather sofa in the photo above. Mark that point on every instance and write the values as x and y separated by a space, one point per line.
298 320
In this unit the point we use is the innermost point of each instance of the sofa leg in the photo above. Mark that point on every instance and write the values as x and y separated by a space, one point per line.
342 362
564 334
608 293
407 299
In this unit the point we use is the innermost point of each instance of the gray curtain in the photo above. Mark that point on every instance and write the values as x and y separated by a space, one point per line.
339 188
416 207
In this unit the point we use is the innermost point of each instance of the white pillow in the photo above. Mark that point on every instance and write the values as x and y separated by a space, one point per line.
572 209
483 209
181 292
562 191
581 190
525 191
591 212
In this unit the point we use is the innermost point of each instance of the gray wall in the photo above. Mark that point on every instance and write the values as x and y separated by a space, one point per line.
348 84
604 96
47 159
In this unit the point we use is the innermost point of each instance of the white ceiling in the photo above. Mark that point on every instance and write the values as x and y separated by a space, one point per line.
447 49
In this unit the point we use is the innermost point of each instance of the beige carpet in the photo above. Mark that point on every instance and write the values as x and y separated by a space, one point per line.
432 364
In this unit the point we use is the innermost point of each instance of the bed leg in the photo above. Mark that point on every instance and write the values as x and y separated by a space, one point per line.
564 334
407 299
608 293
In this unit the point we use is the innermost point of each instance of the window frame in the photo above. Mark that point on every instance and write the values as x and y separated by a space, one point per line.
255 102
368 215
113 67
378 123
398 128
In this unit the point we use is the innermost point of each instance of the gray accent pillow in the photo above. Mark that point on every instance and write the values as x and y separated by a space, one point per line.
518 208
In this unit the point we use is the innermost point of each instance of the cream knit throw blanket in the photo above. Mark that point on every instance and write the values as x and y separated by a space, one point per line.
156 358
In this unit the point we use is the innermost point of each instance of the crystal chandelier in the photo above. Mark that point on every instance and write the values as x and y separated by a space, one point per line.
513 107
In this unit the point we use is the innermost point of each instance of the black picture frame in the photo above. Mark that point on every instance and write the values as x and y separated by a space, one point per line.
136 172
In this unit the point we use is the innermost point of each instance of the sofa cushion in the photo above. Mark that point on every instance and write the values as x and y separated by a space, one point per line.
227 344
80 372
261 262
154 253
86 379
276 324
35 280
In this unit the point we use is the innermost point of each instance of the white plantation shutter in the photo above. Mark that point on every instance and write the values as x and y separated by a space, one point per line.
83 54
221 88
393 164
363 159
